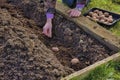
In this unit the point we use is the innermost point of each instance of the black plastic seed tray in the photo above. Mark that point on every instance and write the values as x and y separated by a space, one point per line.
116 17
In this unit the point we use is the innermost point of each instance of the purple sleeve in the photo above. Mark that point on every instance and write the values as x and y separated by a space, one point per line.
80 4
50 8
49 15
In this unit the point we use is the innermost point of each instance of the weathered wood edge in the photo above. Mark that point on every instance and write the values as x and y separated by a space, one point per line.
92 28
86 70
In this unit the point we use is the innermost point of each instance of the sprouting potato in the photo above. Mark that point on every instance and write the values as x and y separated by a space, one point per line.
100 13
90 13
96 19
110 20
95 14
102 20
110 16
75 61
106 14
88 16
96 11
103 17
55 49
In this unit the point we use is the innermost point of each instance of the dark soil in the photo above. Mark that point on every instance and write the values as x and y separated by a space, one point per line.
75 43
24 56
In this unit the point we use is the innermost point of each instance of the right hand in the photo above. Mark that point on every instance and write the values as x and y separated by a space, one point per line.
74 13
47 29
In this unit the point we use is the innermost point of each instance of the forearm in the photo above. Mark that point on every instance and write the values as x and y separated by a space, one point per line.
50 8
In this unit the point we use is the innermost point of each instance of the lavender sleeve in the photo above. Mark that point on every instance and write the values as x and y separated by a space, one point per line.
50 6
80 4
49 15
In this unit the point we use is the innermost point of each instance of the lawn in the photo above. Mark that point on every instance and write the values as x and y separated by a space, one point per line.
109 71
107 5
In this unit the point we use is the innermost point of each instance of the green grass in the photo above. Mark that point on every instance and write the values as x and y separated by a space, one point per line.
107 5
109 71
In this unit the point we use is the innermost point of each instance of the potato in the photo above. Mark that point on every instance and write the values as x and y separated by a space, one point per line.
55 49
96 11
100 13
90 13
110 16
110 20
102 16
106 14
105 22
88 16
75 61
102 20
94 16
96 19
106 19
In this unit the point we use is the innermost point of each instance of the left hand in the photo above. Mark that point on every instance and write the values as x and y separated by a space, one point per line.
74 13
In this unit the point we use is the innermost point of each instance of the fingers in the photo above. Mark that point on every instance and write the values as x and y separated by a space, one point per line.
69 11
44 31
74 13
50 32
47 32
71 14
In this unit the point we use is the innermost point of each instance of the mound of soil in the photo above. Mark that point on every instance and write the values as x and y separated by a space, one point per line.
24 55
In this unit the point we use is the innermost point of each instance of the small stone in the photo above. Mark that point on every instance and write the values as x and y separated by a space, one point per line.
87 62
31 59
81 41
56 72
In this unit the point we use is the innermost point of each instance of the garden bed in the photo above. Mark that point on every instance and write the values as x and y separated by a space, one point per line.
23 51
74 42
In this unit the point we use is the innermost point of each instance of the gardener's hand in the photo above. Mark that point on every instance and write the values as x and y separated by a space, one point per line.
74 13
47 29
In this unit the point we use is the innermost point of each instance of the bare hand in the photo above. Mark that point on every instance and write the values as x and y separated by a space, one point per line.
47 29
74 13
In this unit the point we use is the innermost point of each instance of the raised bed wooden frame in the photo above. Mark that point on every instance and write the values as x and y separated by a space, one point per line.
99 33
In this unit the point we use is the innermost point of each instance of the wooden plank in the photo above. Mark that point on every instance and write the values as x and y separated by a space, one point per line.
92 28
86 70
